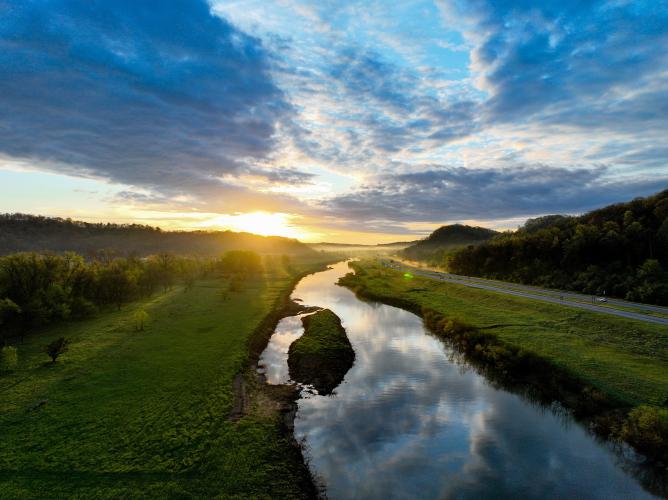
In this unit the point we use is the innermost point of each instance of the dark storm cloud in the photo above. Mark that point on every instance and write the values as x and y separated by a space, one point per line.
162 95
459 193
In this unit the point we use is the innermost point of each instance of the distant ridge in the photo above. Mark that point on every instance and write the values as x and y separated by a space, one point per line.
26 233
446 238
393 244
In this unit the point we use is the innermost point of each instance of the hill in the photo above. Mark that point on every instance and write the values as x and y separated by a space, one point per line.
24 233
353 249
438 244
619 250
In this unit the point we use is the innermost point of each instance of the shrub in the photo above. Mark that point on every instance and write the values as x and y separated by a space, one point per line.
140 318
646 428
56 348
9 358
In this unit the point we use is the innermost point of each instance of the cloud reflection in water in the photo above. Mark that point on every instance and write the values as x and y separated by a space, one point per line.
409 422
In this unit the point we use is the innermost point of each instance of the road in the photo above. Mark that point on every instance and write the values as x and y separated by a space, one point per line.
530 292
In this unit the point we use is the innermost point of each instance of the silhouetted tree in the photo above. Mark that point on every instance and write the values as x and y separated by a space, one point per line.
56 348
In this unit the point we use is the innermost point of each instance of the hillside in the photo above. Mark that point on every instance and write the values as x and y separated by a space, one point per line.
354 249
620 250
445 239
23 233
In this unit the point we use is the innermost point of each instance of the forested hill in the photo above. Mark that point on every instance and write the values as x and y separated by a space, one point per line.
619 250
22 233
444 239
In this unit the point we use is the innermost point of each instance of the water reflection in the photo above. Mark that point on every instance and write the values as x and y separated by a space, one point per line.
274 359
409 422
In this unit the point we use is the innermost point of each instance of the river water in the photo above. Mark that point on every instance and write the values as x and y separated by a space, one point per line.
411 420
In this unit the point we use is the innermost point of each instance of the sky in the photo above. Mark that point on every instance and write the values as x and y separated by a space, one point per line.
362 121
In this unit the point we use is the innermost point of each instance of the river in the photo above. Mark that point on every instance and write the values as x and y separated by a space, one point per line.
412 420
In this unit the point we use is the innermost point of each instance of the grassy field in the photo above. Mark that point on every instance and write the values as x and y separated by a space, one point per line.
623 358
145 414
323 355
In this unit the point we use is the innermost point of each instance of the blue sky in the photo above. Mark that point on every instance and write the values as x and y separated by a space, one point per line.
355 121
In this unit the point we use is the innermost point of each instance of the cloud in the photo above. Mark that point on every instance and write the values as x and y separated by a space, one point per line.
169 98
365 75
287 175
447 194
369 107
222 109
554 57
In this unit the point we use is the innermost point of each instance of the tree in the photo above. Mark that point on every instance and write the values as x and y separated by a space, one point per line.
56 348
8 310
9 358
117 282
166 265
140 318
622 249
241 262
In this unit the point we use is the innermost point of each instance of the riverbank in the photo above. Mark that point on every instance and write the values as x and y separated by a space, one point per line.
151 411
323 355
611 372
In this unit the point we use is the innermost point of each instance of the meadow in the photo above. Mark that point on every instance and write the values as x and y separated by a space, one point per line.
147 413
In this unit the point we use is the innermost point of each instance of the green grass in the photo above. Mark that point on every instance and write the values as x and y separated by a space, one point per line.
323 355
624 358
547 292
145 414
323 335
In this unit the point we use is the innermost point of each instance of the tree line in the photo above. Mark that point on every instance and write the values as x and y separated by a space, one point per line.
28 233
620 250
39 289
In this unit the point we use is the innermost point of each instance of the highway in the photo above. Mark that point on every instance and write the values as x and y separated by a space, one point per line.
570 299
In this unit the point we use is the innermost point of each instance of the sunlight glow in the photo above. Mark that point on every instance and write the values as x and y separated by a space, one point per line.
262 223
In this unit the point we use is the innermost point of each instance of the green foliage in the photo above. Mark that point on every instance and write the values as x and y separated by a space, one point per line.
323 355
9 313
323 334
436 248
9 358
140 317
135 413
42 289
8 309
244 262
646 427
620 250
56 348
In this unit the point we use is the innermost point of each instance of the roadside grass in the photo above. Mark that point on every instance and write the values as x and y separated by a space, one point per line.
624 358
547 292
132 414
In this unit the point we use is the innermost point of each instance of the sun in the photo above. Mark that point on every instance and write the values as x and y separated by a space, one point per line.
262 223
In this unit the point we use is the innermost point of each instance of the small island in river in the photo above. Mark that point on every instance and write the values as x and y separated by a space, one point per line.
323 355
